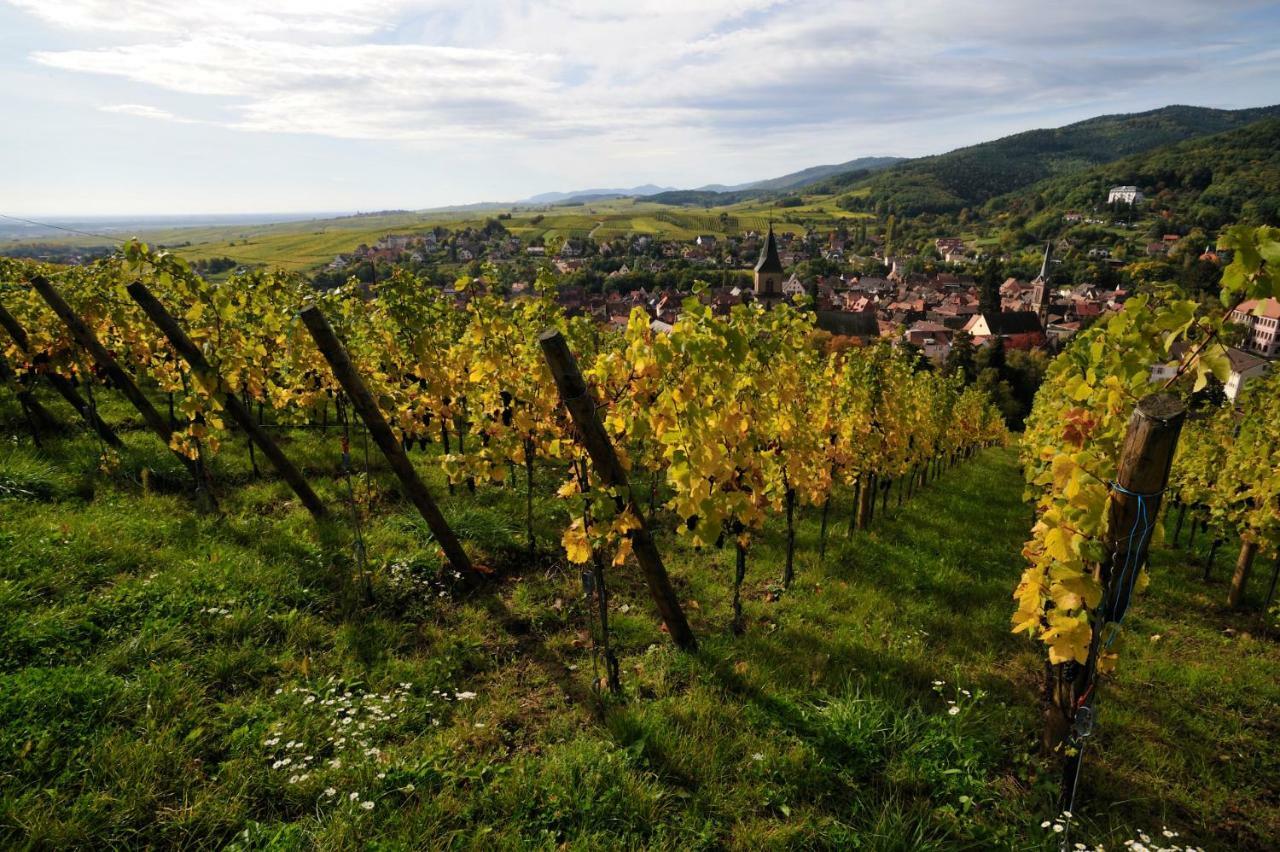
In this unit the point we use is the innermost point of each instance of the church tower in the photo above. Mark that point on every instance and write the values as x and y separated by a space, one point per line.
768 283
1041 292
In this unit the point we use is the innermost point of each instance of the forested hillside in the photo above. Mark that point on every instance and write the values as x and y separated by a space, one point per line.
1207 182
968 177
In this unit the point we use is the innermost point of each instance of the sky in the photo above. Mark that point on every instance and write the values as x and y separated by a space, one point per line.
119 107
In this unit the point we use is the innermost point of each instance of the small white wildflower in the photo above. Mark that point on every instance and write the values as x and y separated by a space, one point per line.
381 775
293 779
758 756
409 788
1057 828
368 806
330 792
1045 824
353 796
953 711
465 696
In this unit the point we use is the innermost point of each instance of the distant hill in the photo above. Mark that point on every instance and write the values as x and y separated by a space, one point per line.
583 194
715 193
806 176
1207 182
968 177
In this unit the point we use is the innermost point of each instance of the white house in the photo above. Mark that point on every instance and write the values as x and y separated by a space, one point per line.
1244 368
793 287
1262 321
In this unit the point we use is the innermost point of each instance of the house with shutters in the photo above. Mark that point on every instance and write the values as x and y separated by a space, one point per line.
1261 320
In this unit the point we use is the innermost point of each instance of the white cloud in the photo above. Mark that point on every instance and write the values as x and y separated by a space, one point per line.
145 111
240 16
655 74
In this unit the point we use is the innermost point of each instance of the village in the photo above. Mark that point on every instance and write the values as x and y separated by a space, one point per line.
856 299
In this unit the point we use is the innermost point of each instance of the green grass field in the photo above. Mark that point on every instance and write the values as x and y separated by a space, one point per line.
308 244
172 678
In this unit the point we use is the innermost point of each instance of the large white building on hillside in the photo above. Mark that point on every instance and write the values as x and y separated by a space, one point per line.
1124 194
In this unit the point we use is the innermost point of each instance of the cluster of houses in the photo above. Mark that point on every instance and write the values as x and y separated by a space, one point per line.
928 312
461 246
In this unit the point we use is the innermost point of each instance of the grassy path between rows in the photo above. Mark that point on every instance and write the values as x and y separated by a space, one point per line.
178 680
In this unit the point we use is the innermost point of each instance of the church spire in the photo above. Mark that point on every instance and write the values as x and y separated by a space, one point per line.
1044 265
1041 292
768 278
769 261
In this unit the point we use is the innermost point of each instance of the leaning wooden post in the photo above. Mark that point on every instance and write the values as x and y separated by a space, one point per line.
1240 579
65 388
38 417
213 382
380 431
88 341
582 408
1142 474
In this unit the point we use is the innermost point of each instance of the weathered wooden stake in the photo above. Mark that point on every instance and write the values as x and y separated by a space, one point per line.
65 388
822 529
855 516
1208 562
88 341
239 412
362 401
1240 579
1141 476
789 570
38 417
582 408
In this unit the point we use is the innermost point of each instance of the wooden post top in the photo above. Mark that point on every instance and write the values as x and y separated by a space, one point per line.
1161 407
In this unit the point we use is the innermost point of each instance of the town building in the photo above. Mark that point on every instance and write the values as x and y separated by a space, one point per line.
1124 195
1261 320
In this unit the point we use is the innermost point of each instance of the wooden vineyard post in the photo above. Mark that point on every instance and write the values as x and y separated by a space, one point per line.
38 417
380 431
1142 474
237 409
582 408
61 384
88 341
1240 579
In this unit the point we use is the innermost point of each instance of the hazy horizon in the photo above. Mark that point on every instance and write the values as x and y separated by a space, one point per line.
136 109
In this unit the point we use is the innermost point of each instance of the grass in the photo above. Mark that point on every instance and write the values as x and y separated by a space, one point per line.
159 666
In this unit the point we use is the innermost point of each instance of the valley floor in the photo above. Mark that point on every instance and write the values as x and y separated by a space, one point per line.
169 678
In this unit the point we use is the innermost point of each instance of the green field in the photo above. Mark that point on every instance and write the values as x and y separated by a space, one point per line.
159 666
304 245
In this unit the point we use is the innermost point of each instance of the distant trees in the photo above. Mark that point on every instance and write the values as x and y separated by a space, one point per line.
214 265
989 287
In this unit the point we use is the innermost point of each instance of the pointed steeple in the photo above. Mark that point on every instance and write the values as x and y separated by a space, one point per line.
768 278
769 261
1044 265
1041 292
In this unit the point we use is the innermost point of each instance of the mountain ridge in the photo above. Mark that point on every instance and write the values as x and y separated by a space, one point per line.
974 174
